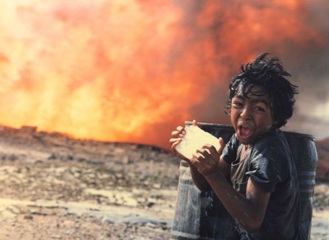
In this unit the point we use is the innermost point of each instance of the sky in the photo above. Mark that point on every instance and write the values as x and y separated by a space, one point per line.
132 70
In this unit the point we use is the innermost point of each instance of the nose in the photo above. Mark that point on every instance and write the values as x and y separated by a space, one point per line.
245 113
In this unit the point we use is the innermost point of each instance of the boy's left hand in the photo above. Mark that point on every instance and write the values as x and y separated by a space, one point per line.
206 159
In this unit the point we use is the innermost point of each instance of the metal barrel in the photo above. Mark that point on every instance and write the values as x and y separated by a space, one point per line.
200 215
305 156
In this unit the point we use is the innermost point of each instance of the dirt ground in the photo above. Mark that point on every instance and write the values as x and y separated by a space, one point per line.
56 187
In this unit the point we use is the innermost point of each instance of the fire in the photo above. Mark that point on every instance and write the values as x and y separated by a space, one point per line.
131 70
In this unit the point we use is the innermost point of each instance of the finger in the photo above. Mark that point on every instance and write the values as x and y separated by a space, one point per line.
173 140
204 158
210 149
198 156
174 133
221 145
195 123
195 160
178 133
204 151
199 164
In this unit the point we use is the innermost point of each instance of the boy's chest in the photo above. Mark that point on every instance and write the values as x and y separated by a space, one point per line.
239 168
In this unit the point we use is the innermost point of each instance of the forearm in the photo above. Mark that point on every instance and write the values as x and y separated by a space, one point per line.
247 212
198 179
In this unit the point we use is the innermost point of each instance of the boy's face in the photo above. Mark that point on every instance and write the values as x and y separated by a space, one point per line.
251 116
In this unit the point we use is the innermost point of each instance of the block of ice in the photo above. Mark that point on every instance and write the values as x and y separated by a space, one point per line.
195 138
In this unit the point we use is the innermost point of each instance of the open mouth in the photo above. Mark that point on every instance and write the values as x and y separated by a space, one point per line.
244 132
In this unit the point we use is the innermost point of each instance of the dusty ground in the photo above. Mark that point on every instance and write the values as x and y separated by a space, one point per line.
54 187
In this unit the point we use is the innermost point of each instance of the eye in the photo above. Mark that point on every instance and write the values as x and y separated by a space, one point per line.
237 103
259 109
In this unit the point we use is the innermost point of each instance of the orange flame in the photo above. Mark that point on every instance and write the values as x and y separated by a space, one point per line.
131 70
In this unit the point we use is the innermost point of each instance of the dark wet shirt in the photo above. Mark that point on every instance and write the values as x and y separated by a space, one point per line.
270 166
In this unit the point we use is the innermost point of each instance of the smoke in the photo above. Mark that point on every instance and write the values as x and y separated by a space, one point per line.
132 70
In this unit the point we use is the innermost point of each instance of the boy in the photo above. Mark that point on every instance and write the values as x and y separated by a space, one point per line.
254 175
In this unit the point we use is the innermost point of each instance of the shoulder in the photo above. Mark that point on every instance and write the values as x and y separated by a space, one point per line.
274 144
274 137
229 153
270 159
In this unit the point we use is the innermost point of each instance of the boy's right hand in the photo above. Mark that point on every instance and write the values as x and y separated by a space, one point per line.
176 137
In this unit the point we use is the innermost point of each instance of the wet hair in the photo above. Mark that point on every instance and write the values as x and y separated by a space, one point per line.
269 74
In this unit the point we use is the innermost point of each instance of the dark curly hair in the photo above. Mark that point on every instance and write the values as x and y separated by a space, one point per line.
269 74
